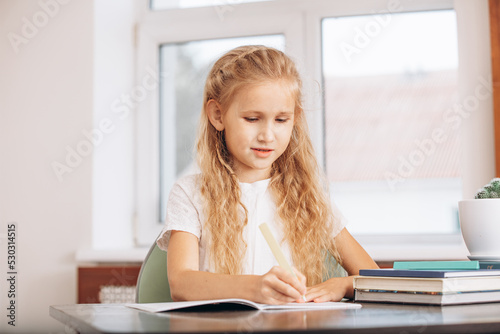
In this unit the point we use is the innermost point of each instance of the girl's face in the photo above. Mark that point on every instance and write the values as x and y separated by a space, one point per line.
258 125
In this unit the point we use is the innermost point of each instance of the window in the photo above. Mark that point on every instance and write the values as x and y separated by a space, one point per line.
178 49
379 79
388 82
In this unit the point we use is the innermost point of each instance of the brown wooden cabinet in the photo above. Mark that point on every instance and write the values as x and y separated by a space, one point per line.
107 284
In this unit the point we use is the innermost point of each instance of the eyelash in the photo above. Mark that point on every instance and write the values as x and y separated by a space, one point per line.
255 119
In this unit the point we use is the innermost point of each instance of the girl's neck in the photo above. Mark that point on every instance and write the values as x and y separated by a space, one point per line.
253 176
254 182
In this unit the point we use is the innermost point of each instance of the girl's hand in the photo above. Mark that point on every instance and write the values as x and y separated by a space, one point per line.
278 286
333 290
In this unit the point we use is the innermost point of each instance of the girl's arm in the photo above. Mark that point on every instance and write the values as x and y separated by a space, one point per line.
354 258
187 282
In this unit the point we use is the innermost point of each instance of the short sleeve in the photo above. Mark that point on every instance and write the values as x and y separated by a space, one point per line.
339 221
183 210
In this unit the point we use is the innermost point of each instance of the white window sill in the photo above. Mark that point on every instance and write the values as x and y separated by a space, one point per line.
127 255
405 252
417 248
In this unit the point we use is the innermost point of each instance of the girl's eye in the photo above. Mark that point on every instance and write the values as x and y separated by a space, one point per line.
281 120
251 119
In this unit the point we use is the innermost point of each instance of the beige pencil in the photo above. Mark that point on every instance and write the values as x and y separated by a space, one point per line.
276 249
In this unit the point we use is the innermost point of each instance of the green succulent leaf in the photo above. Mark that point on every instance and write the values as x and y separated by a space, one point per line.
491 190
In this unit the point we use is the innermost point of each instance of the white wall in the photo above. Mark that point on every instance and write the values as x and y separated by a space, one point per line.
59 74
45 101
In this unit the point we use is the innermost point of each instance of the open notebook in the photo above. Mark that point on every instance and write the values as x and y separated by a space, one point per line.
238 304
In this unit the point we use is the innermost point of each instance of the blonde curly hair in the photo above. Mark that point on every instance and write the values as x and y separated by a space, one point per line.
303 207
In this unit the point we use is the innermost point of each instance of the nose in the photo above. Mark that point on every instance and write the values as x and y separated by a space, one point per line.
266 133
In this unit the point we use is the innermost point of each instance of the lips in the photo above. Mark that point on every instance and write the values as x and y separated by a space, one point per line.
262 152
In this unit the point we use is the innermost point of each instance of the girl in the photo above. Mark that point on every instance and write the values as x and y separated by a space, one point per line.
257 165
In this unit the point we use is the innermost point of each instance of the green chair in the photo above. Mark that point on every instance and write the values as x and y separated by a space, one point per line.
152 283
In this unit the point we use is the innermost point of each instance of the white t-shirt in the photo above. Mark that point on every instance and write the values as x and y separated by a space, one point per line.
185 213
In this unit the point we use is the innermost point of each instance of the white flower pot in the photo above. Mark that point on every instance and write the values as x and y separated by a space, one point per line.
480 225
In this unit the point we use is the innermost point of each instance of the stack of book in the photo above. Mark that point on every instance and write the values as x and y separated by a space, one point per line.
430 282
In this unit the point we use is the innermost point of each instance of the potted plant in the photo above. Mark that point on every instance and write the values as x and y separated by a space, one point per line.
480 222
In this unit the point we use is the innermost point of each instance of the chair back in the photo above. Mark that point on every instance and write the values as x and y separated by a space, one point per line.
152 283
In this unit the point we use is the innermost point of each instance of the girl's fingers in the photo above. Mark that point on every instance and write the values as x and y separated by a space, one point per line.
330 290
287 289
274 296
318 294
313 294
284 283
298 283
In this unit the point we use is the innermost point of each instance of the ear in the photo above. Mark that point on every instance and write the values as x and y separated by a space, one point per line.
214 114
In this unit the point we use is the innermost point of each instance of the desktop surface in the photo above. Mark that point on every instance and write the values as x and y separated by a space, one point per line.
372 317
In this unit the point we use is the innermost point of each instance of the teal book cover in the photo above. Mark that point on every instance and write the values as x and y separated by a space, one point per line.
437 265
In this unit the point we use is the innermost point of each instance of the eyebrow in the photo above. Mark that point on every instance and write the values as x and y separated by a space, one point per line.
288 113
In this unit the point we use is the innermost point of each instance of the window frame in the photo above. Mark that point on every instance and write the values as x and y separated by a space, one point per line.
192 24
300 22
